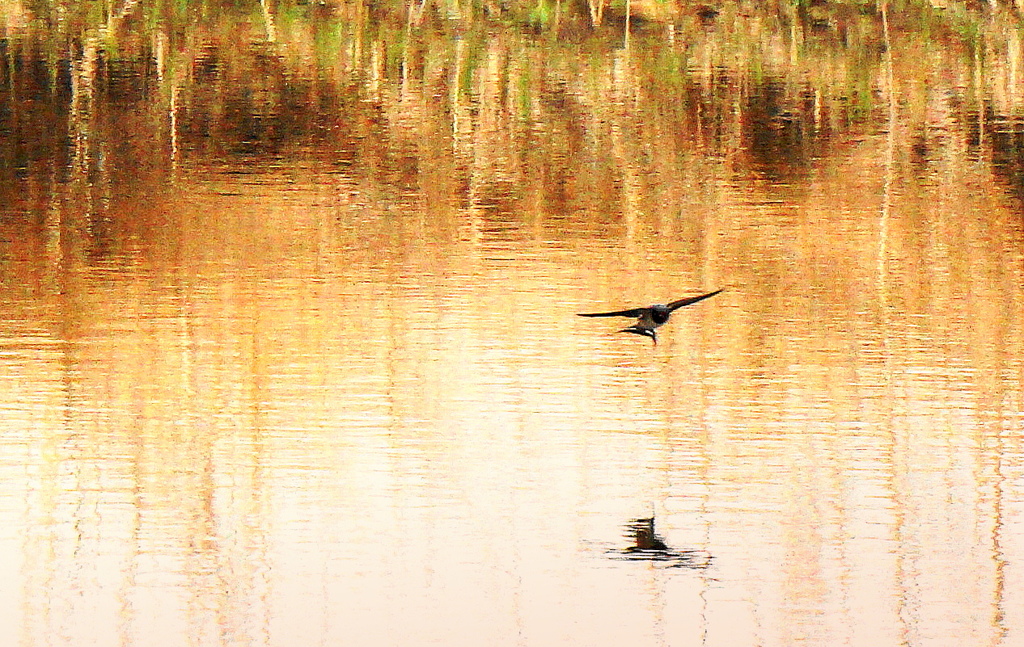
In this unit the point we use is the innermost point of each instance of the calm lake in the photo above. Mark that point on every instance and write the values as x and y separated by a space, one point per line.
289 352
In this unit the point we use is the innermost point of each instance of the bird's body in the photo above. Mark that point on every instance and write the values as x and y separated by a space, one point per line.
651 317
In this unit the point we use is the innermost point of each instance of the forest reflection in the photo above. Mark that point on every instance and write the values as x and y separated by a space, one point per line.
478 107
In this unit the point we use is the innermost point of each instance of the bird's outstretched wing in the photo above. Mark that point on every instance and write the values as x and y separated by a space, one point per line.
634 312
688 300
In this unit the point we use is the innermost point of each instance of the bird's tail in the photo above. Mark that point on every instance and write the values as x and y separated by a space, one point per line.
640 330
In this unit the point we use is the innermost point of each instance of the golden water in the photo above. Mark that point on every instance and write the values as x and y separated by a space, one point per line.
270 400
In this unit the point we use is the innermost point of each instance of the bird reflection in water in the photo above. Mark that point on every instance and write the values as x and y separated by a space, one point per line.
644 535
647 545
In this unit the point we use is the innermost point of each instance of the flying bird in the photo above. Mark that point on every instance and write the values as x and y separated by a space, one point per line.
651 317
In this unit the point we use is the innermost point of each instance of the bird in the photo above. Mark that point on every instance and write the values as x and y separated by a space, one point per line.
651 317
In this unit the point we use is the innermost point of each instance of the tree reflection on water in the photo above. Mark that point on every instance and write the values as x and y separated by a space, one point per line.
388 90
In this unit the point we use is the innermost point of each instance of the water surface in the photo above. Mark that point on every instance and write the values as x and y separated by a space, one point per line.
327 386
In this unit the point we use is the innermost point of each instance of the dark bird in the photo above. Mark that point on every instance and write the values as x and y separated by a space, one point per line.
650 317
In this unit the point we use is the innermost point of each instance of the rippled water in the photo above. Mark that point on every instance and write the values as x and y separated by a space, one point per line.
336 425
265 399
